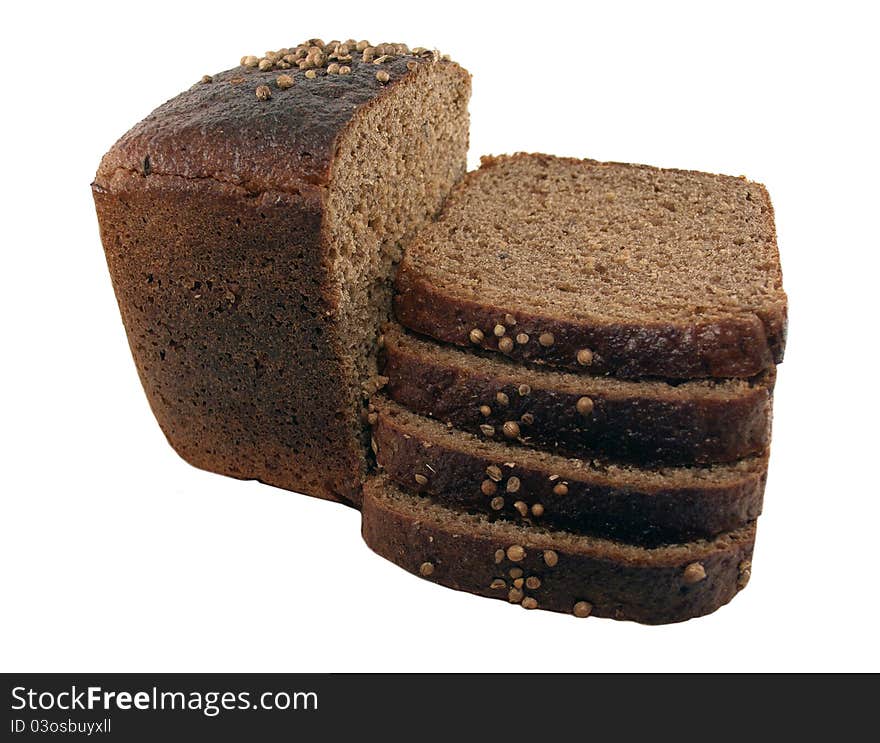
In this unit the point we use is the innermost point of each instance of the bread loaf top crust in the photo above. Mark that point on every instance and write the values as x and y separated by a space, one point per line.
245 128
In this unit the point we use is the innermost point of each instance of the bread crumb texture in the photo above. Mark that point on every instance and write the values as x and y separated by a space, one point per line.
590 239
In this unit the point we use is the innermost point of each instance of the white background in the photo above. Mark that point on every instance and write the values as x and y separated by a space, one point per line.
116 555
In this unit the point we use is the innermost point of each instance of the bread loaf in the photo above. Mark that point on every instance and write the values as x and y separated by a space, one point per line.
250 226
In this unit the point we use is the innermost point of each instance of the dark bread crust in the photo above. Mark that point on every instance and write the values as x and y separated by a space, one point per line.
730 344
224 299
213 216
743 347
638 422
628 583
610 502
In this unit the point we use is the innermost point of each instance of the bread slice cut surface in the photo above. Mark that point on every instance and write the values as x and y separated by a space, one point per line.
604 268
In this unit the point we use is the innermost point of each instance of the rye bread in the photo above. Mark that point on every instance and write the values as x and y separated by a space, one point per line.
250 226
579 415
554 570
602 268
631 504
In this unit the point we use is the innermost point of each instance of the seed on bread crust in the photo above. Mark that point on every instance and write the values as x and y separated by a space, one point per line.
426 569
537 510
510 429
497 503
382 76
585 357
476 336
499 556
560 488
494 473
505 345
524 390
522 507
582 609
546 339
487 430
284 82
421 479
584 406
497 584
533 582
522 338
515 595
499 330
550 558
488 487
515 573
694 573
502 399
513 484
263 93
529 602
515 553
485 411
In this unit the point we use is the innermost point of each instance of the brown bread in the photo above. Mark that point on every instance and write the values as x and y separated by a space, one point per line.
605 268
631 504
555 570
580 415
250 226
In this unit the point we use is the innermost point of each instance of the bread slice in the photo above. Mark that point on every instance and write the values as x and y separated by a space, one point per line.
555 570
632 504
606 268
250 226
579 415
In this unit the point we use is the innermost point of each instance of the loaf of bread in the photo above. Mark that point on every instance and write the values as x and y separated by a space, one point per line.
582 425
602 268
579 415
555 570
634 504
250 226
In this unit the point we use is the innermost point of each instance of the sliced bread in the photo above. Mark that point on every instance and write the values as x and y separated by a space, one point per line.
633 504
606 268
579 415
555 570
